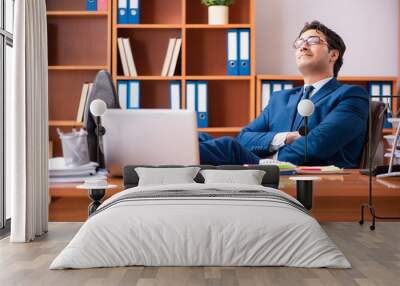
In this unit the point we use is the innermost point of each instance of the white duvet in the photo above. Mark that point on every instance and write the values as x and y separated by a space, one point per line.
200 231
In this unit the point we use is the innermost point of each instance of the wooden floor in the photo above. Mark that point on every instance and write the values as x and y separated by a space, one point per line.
374 255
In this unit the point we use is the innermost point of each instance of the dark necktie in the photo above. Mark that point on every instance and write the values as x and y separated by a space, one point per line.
307 91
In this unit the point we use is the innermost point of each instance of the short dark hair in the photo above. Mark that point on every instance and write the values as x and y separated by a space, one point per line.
335 42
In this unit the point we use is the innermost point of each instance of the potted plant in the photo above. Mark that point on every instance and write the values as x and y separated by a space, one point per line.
218 11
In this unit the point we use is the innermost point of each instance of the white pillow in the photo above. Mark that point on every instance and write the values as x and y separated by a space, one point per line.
248 177
165 176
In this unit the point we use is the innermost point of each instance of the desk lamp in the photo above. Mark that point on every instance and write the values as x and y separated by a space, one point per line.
97 108
305 109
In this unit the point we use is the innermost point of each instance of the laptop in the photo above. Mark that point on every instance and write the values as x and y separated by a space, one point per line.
149 137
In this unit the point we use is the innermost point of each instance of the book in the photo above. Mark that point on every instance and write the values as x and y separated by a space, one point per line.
175 55
91 5
168 56
82 102
122 56
102 5
89 91
129 57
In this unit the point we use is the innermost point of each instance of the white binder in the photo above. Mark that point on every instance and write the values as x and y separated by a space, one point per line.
123 93
288 86
265 94
232 60
134 94
375 90
175 95
244 52
202 104
387 90
276 87
191 96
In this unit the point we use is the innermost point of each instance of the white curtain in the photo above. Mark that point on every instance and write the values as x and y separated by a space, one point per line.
26 124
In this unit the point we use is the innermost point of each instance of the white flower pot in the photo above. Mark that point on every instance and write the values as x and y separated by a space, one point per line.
218 15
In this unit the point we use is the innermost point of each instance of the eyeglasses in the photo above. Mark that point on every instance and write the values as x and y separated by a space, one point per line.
312 40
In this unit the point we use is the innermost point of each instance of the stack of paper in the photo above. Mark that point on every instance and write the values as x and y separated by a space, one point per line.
318 169
59 172
285 168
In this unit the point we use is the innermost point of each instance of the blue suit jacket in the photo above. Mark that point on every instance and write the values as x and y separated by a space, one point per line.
337 127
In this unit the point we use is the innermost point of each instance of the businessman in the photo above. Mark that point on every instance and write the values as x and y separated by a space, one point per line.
337 128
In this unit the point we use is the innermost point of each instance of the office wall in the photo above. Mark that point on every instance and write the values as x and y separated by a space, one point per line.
368 27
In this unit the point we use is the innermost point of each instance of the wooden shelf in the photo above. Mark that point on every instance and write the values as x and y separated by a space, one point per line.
217 77
76 13
206 52
220 129
241 12
65 123
79 44
77 67
78 41
386 131
148 49
148 26
340 78
206 26
148 77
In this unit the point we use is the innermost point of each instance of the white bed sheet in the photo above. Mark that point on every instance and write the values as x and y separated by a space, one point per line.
200 231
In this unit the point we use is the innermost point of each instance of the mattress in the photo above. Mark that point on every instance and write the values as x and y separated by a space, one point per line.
201 225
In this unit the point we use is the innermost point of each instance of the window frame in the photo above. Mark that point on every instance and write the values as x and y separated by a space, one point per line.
6 39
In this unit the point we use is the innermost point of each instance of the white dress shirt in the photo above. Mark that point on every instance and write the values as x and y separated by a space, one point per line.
279 139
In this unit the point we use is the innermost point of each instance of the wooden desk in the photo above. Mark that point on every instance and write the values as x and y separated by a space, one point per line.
337 197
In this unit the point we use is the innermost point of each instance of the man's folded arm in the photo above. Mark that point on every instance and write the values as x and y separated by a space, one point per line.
257 136
346 122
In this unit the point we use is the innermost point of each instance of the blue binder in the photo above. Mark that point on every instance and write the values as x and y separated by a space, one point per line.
133 94
123 91
376 89
91 5
244 51
122 12
232 66
202 104
276 85
386 90
175 95
134 12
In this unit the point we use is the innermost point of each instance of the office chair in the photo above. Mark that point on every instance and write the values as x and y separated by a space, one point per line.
103 88
377 121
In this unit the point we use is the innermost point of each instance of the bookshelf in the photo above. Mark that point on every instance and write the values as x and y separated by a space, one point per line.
231 99
79 45
357 80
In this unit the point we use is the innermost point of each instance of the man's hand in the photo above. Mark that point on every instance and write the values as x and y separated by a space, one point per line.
291 137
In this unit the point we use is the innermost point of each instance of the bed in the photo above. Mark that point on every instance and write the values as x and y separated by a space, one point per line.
201 224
